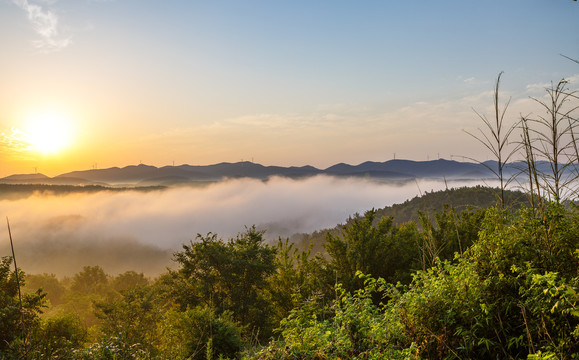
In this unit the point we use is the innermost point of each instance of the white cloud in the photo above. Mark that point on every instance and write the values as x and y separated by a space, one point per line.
539 91
46 24
537 87
574 80
470 80
135 231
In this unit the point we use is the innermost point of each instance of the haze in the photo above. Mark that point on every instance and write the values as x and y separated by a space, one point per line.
140 231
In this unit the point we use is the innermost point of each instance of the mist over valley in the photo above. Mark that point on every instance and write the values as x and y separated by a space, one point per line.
59 232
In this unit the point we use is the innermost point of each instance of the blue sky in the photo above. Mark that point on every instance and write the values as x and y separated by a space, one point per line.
282 82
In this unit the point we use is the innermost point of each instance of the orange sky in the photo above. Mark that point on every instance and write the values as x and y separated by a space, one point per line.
290 83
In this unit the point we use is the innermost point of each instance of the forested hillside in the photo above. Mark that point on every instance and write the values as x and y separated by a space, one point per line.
460 199
424 208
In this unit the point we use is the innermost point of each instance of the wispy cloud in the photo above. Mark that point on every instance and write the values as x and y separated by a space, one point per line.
539 88
13 141
574 80
46 24
470 80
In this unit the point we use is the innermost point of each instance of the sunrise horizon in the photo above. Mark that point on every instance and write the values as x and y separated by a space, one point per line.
293 84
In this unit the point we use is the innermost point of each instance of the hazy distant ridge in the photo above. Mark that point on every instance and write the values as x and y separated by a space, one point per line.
171 175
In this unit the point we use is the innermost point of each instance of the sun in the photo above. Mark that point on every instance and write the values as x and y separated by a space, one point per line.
48 132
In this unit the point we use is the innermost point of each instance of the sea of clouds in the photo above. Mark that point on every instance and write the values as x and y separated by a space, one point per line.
133 230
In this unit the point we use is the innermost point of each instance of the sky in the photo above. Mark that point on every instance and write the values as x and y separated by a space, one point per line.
102 83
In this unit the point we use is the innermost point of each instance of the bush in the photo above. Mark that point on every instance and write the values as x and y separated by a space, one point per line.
59 337
512 294
199 333
352 327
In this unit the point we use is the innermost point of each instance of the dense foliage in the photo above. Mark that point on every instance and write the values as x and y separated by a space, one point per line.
18 315
512 294
415 210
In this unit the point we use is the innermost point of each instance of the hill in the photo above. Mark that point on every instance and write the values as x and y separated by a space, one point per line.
136 175
430 203
478 197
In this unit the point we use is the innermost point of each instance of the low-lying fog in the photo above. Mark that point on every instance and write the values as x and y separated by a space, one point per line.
139 231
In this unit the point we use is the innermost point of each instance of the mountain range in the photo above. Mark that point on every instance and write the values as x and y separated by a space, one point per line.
147 175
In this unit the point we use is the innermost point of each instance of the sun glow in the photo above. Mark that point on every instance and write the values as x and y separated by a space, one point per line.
48 133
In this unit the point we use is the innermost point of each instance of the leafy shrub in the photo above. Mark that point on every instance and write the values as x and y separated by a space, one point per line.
382 250
132 319
512 294
352 327
199 332
58 337
437 308
550 305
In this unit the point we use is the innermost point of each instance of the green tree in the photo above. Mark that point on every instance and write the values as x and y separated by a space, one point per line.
87 287
91 280
227 276
382 250
17 318
131 319
299 276
49 284
129 280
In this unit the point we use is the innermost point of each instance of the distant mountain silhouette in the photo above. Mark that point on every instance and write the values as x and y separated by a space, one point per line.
147 175
169 175
411 169
20 177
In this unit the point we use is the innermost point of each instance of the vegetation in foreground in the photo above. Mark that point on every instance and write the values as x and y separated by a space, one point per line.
486 283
